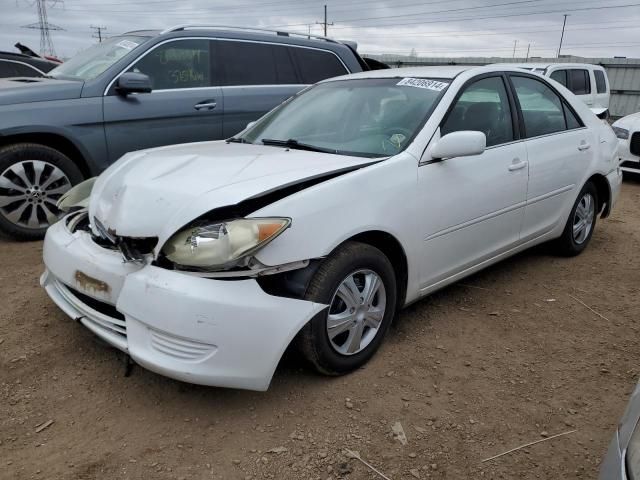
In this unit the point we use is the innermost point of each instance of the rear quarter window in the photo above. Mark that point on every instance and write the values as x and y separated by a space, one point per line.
601 83
315 65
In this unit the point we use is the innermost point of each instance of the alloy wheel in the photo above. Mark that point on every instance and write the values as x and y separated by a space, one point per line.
356 312
583 218
29 191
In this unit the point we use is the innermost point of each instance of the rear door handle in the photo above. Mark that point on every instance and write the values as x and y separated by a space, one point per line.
206 105
584 146
517 164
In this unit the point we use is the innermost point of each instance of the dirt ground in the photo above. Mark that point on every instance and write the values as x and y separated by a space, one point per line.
506 357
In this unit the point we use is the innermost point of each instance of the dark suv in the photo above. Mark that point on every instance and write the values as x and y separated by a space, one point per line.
139 90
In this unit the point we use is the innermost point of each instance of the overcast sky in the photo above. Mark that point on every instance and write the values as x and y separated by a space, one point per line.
595 28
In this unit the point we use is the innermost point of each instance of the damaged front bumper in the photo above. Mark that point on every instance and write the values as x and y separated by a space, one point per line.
198 330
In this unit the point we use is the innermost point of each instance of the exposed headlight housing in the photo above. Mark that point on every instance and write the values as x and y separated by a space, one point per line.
222 245
77 197
621 133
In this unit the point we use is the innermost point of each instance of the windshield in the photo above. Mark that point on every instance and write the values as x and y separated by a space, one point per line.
370 117
91 62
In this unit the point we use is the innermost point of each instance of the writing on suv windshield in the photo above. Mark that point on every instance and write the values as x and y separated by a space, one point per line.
372 117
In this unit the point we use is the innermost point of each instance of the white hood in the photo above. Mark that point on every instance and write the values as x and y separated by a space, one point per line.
153 193
630 122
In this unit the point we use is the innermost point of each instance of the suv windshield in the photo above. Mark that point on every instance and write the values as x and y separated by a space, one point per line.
91 62
370 117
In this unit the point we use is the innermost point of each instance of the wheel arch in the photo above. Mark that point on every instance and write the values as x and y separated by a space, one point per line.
604 194
394 251
294 284
52 140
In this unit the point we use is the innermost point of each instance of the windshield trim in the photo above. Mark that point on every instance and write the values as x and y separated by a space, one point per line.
419 128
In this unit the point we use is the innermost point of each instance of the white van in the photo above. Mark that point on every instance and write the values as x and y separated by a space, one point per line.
589 82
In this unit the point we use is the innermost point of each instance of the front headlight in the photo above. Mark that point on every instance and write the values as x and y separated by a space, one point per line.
222 244
620 132
77 197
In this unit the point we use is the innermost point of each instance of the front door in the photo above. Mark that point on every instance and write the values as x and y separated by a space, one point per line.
472 207
184 106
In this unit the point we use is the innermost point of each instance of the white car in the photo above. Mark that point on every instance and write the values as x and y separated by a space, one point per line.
627 129
588 82
315 225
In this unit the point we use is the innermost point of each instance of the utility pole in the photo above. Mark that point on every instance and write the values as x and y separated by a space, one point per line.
528 50
325 21
515 45
564 24
46 44
98 33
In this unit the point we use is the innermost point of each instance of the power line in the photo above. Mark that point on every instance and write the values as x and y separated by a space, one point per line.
325 21
46 44
564 24
98 32
458 19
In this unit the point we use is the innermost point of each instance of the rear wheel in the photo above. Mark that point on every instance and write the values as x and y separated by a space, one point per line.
32 179
358 283
581 223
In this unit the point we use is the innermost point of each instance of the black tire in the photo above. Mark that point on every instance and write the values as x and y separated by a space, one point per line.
12 155
567 245
314 340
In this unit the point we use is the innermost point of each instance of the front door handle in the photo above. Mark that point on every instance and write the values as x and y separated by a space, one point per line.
517 164
206 105
584 146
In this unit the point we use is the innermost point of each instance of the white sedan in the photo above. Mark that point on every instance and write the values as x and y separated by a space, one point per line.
315 225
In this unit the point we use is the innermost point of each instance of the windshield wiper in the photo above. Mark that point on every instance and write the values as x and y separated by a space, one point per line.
236 140
295 144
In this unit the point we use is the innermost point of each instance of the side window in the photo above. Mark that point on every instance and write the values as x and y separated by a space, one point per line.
579 81
285 68
316 65
7 69
542 109
26 71
559 76
248 63
178 64
601 84
484 107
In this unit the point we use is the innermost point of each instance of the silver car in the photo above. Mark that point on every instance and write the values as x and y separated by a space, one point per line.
622 461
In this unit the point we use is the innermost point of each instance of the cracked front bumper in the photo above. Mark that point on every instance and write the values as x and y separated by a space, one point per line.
204 331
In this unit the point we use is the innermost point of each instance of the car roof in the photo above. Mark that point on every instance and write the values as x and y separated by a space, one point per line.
419 72
550 64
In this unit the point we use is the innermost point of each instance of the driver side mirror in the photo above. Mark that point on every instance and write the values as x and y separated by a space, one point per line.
132 82
464 143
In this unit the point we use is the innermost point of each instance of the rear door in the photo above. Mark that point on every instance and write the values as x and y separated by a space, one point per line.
559 148
258 76
186 104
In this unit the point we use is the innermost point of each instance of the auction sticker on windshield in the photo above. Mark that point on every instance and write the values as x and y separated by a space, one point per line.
128 44
423 83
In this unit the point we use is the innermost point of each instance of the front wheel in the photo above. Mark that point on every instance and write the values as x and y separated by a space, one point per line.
358 284
32 179
581 223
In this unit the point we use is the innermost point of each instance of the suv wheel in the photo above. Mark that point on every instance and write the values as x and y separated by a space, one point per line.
32 179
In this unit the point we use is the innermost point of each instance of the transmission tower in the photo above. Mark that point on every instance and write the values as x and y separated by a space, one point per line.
46 44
